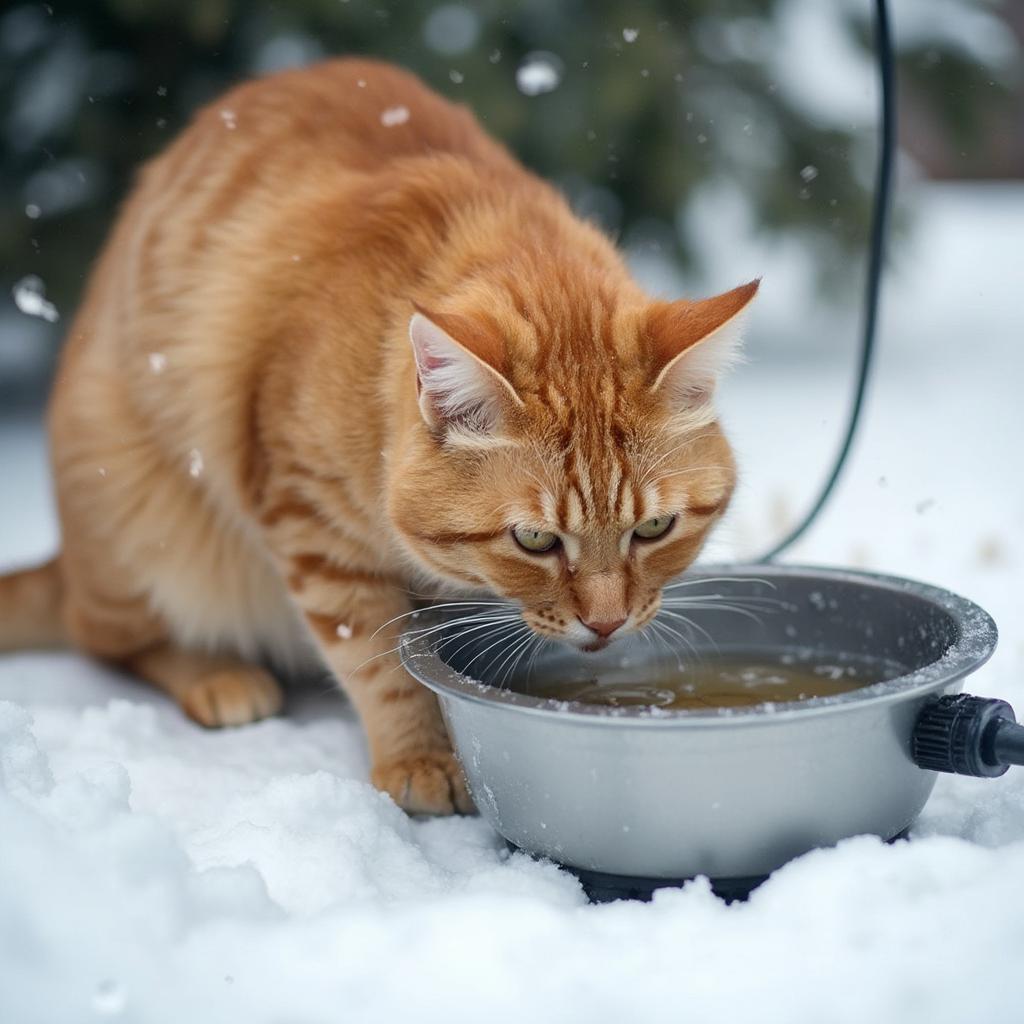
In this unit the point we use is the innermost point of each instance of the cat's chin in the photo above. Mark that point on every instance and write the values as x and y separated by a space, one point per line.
594 647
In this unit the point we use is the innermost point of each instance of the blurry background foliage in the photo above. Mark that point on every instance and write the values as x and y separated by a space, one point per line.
646 105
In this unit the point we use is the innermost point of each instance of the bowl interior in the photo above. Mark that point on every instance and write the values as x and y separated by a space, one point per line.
814 614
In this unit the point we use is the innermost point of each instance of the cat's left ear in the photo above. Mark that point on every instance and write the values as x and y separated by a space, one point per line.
458 367
693 343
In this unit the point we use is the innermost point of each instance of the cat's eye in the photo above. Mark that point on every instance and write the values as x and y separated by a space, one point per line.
654 528
534 541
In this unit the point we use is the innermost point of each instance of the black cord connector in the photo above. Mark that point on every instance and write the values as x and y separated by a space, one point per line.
967 735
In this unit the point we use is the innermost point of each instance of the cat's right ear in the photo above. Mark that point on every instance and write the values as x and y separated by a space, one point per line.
693 343
458 371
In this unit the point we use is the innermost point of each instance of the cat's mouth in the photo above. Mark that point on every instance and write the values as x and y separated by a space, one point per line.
597 645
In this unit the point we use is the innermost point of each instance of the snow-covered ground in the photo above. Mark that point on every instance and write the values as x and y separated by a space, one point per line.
151 871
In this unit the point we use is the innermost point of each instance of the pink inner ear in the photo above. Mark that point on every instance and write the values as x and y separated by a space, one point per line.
476 334
430 361
674 327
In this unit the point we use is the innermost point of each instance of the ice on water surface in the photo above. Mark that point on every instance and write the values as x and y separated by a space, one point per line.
538 73
30 297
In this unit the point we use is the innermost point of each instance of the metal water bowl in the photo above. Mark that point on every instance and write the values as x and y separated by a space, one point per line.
728 792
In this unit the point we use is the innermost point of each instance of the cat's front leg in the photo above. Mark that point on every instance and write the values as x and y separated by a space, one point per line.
347 609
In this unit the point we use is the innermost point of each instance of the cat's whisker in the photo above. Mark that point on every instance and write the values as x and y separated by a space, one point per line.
753 601
646 468
519 650
507 654
696 603
687 643
689 622
485 673
420 634
661 634
473 631
534 646
654 638
505 639
719 579
533 657
728 608
484 634
684 472
438 607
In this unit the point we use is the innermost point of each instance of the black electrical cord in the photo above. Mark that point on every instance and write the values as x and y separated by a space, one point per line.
876 254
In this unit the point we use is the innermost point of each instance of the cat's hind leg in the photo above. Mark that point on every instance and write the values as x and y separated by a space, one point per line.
213 690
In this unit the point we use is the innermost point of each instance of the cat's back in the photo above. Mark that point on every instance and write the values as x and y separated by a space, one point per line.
346 114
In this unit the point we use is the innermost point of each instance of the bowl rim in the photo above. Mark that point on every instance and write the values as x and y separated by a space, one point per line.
974 646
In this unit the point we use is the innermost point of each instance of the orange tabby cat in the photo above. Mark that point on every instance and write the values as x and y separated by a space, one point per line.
341 348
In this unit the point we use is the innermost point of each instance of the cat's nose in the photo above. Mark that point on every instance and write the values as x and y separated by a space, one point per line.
603 629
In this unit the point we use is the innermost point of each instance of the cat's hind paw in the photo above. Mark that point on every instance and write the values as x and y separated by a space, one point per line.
235 696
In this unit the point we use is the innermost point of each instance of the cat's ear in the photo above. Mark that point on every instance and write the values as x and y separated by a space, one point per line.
693 343
458 377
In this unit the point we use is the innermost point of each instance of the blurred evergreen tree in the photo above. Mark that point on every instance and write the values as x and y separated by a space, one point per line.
654 99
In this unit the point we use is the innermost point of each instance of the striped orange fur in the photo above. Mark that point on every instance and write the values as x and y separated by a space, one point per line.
325 362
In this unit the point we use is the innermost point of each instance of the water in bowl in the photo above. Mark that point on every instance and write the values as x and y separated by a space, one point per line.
728 680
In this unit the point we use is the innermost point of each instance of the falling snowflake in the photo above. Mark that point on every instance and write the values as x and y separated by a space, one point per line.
228 117
393 116
30 297
630 34
32 211
344 632
808 173
195 463
539 72
157 362
456 76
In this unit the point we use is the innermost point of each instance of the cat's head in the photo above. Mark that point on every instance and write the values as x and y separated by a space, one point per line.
571 463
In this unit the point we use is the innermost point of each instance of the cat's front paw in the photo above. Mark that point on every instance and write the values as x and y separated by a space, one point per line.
426 782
